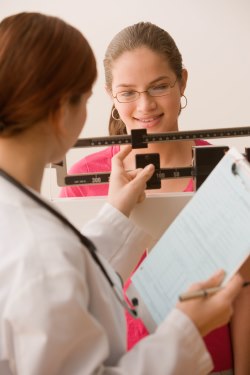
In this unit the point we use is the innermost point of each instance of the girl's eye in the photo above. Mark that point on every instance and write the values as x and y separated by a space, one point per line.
127 93
161 89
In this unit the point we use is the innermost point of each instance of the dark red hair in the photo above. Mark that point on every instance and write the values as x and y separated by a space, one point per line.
42 60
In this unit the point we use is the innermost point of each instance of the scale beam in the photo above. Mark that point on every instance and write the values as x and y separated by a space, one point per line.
205 158
140 139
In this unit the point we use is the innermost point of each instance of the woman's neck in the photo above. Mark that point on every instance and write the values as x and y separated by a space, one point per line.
22 160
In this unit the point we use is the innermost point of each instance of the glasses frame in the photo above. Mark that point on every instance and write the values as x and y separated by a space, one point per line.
141 92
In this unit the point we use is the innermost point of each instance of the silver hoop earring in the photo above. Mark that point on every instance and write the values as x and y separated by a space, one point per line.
113 116
186 102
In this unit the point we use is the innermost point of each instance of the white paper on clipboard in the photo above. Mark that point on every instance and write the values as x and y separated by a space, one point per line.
210 233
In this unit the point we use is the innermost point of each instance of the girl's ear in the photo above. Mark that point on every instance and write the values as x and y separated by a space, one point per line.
184 79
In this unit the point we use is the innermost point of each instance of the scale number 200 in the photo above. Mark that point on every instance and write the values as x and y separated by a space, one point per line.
96 180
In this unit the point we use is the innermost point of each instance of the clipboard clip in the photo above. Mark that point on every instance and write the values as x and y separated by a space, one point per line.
235 168
247 157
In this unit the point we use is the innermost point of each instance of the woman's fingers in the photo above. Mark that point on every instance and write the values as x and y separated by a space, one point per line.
117 159
214 310
215 280
126 188
232 288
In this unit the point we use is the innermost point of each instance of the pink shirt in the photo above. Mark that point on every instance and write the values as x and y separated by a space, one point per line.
218 342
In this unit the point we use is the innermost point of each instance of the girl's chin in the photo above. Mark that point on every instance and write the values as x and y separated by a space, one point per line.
147 126
153 128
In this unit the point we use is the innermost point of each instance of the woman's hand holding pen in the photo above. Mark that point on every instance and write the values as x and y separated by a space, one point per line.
214 310
126 188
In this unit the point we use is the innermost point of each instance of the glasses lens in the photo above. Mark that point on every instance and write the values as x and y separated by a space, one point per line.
127 96
160 90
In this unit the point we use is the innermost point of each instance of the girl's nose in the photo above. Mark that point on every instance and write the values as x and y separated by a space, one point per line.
146 101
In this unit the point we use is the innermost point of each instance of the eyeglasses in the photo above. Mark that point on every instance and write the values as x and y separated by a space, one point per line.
132 95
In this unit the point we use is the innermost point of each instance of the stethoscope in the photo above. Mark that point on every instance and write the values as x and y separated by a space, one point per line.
84 240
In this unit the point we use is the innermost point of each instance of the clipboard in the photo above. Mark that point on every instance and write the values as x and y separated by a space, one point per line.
210 233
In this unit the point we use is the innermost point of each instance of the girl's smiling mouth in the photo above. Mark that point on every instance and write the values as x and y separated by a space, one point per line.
148 122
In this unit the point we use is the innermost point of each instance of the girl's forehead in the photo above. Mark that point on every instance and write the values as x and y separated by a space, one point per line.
140 64
140 53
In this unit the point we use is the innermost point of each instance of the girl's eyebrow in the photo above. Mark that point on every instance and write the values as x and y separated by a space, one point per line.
150 83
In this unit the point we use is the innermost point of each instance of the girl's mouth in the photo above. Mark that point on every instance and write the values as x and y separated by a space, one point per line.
146 123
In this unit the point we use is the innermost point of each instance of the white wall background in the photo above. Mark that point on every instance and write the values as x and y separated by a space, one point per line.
212 35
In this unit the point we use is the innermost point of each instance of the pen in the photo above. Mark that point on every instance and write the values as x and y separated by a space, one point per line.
204 292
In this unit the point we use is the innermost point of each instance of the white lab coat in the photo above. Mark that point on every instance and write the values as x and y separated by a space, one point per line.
58 314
